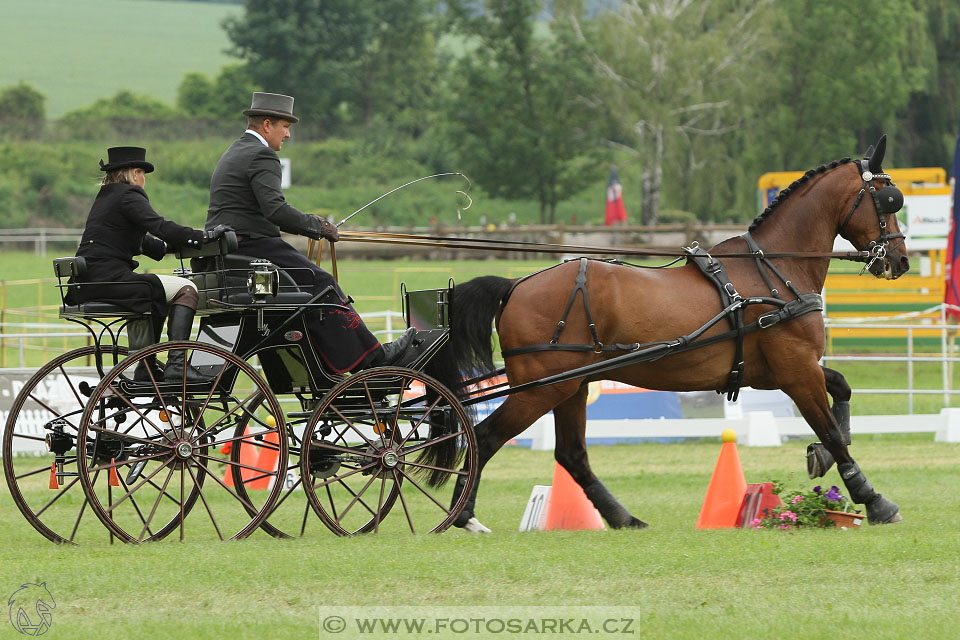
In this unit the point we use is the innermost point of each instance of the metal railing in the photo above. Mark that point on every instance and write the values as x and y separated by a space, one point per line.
27 337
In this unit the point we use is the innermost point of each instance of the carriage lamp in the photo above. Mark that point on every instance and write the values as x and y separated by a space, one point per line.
263 280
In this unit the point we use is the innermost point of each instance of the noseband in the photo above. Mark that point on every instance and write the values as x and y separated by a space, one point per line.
887 200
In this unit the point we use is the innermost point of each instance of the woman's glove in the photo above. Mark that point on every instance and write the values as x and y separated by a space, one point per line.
216 232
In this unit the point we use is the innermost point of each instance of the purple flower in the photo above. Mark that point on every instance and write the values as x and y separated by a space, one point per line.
833 495
817 488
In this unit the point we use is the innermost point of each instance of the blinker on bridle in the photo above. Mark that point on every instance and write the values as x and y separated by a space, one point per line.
886 200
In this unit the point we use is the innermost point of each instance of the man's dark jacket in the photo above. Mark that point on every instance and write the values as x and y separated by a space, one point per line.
245 194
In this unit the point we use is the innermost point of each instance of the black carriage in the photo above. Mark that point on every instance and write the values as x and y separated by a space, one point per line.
270 441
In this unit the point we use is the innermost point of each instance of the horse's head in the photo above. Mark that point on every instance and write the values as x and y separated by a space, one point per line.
873 227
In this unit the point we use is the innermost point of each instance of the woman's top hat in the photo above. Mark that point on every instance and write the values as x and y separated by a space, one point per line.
126 158
272 104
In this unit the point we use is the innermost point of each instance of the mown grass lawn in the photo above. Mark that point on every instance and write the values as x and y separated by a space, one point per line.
891 581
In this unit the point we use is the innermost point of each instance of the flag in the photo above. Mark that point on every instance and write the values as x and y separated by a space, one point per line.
615 213
951 290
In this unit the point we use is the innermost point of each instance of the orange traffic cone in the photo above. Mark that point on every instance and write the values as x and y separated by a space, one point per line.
53 476
569 507
249 457
721 506
114 478
266 460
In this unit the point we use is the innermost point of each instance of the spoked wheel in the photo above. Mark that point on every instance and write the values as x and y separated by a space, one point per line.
154 448
385 438
39 444
292 515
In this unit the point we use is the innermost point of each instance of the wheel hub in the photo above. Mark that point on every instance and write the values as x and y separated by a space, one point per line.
184 450
390 459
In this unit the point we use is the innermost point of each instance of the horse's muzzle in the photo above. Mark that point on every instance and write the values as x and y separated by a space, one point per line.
890 268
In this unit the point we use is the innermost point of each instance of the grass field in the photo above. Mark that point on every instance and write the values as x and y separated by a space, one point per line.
76 52
876 582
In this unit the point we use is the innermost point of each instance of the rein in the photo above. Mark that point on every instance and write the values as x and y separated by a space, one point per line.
486 244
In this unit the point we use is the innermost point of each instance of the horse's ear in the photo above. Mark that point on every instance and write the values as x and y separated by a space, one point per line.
876 158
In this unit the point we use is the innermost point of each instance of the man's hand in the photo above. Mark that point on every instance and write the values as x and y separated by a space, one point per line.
329 231
216 232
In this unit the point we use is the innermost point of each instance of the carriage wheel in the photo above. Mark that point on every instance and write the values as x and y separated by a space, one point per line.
153 446
292 515
385 438
44 419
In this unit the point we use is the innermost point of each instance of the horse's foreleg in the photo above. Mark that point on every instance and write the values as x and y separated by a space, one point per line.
819 458
813 404
505 423
570 418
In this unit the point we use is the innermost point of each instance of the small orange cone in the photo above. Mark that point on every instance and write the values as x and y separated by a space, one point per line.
266 460
53 476
569 507
721 506
114 478
249 457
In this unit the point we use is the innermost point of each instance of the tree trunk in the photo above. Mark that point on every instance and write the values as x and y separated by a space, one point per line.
652 178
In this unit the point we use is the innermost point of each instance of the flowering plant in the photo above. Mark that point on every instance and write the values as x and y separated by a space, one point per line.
803 508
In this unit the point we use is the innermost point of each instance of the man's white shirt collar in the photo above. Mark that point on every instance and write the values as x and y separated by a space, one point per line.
258 136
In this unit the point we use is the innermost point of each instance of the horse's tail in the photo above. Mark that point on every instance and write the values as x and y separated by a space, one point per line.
468 353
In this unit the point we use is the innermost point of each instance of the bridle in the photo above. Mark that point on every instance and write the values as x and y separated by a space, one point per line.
886 200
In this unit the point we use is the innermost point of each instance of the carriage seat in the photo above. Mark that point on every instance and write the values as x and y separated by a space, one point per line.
225 278
75 268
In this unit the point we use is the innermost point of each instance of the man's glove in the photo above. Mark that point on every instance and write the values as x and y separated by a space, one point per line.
216 232
329 231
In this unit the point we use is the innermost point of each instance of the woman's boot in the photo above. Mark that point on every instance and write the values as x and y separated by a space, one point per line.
140 334
179 327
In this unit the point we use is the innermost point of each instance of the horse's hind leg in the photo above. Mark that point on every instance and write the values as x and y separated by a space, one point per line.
811 399
506 422
819 459
570 418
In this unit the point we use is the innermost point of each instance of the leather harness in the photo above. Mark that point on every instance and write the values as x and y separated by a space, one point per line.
733 305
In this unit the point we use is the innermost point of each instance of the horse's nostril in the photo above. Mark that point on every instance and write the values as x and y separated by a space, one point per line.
904 264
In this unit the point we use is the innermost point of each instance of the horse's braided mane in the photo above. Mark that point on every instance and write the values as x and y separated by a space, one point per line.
776 202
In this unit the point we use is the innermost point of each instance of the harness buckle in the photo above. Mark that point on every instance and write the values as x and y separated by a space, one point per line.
774 319
598 347
731 290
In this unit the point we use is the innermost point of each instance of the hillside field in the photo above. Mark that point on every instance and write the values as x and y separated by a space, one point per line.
76 52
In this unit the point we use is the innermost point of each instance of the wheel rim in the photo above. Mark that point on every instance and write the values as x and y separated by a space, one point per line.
388 439
162 444
51 404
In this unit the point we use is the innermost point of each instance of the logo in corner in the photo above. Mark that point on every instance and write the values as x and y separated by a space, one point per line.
30 608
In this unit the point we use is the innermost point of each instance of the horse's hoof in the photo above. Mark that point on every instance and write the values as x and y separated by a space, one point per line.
475 526
636 523
892 520
819 460
883 511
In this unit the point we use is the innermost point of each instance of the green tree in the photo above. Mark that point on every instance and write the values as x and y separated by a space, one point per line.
676 72
124 105
927 128
343 60
522 116
842 72
222 97
23 102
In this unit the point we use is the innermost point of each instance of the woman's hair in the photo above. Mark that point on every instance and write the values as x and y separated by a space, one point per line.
122 176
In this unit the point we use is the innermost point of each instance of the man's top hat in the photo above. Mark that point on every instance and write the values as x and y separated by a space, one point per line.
272 104
126 158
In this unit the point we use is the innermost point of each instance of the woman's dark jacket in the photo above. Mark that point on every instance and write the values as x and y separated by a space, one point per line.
116 231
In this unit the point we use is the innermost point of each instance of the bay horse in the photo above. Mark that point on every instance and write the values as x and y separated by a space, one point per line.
614 309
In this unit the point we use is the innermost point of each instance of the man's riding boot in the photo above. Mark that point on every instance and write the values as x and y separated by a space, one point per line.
399 353
179 326
140 334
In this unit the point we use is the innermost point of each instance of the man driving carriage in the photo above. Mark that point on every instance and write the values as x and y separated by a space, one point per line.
245 196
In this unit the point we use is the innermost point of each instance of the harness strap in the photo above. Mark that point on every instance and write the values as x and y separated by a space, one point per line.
713 269
579 285
764 263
